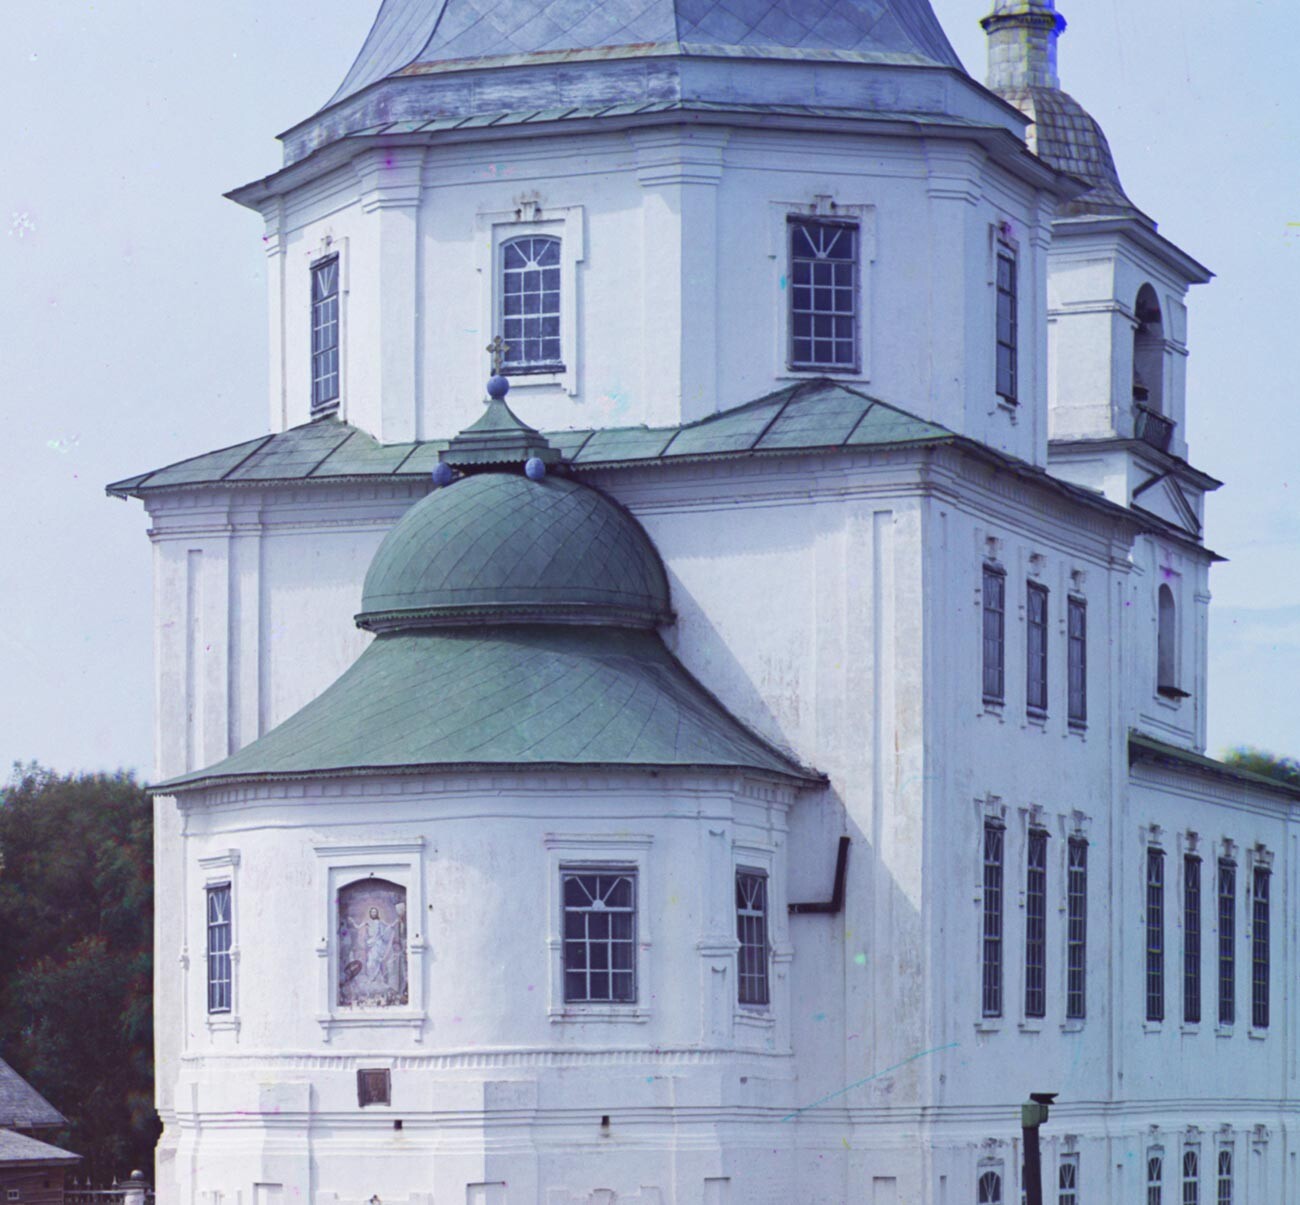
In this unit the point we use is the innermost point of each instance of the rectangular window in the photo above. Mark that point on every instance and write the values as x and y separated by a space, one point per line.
1036 925
1007 332
1068 1181
994 593
1155 1177
1076 937
1259 949
1227 941
1191 1178
374 1087
1191 939
530 304
1036 647
1155 934
1077 611
325 333
599 936
751 932
991 955
219 941
823 284
1224 1194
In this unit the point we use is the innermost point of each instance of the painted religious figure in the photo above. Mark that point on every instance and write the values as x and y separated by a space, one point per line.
372 944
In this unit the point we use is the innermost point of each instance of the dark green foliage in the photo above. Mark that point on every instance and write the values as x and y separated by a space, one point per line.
76 965
1257 761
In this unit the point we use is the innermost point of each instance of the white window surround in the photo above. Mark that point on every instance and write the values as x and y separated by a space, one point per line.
218 869
494 229
327 247
825 209
400 862
589 852
1002 238
762 1017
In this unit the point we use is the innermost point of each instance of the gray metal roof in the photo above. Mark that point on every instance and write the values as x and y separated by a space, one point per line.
19 1149
21 1106
409 34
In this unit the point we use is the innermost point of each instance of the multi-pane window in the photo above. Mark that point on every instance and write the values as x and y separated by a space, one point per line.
1227 941
1007 332
994 594
1191 1178
1259 949
991 953
823 295
1191 939
751 932
1076 936
1077 616
325 333
1155 934
219 940
1068 1181
1155 1178
990 1189
1036 647
530 304
1224 1194
599 936
1036 924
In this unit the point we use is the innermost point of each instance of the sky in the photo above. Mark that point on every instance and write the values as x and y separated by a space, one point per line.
133 330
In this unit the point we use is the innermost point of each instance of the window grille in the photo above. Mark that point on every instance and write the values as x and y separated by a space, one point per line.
1036 925
1224 1193
325 333
1007 325
1155 934
599 936
1036 647
1068 1181
823 295
219 941
1227 941
1259 949
1076 937
1077 615
751 932
1191 939
992 947
990 1189
530 304
1155 1177
994 595
1191 1178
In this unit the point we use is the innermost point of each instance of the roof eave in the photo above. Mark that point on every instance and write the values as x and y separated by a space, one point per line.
1142 747
1141 230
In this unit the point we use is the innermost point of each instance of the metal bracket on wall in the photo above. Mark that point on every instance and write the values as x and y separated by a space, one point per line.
836 903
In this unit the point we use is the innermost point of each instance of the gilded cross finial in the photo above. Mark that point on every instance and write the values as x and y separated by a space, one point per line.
498 347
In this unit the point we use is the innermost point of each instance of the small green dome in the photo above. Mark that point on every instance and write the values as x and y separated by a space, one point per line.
499 546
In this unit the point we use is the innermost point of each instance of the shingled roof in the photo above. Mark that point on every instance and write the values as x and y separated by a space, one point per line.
21 1106
17 1150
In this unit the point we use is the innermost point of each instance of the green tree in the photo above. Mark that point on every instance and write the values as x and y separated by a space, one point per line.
76 966
1257 761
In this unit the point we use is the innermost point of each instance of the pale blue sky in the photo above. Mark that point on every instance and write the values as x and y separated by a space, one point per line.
132 328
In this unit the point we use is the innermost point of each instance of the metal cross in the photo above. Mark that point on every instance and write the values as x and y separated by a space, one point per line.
498 347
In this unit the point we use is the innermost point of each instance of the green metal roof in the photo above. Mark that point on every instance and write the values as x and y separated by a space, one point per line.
820 415
528 697
1146 748
498 546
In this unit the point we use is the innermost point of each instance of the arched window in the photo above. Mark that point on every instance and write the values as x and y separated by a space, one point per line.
372 970
1167 644
530 304
1148 351
1191 1178
990 1189
1155 1178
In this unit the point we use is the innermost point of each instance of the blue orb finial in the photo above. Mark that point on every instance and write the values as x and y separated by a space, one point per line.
534 468
443 474
498 386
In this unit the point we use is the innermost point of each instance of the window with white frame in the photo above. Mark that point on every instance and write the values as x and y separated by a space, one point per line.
989 1190
1036 648
994 599
1191 939
1036 924
1155 1177
599 935
531 305
1155 930
220 978
1259 947
991 948
1076 932
1068 1181
1227 941
1008 335
325 334
1223 1195
1191 1177
823 288
751 932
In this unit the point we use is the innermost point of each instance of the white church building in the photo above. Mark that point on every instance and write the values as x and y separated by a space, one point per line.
741 761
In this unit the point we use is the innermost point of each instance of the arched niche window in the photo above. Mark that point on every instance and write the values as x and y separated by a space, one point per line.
372 970
530 304
1167 645
990 1189
1148 351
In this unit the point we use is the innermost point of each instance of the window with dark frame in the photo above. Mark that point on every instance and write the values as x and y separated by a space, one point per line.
1227 941
1259 969
990 1189
599 936
1191 1178
1007 335
1191 939
994 596
374 1086
1068 1181
1077 624
1076 937
1155 934
751 932
1155 1178
1224 1194
325 334
530 305
1036 647
823 286
1036 924
991 950
219 943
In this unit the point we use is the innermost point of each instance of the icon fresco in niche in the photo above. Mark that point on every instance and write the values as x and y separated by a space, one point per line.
372 944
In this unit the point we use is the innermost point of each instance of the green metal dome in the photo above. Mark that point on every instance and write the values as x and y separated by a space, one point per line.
500 546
